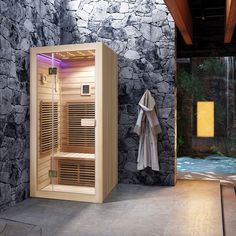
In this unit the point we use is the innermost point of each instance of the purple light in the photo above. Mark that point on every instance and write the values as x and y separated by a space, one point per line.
64 64
47 59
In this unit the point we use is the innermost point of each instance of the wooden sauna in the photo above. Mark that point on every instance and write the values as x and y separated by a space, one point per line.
73 122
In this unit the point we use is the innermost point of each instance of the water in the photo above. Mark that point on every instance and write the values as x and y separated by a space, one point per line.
216 164
229 64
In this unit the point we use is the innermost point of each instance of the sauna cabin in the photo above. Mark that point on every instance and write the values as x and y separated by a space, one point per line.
73 122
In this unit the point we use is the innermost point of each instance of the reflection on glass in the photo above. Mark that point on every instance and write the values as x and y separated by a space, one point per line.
66 111
206 108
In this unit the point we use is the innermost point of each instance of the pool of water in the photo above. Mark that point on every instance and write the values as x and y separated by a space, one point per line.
216 164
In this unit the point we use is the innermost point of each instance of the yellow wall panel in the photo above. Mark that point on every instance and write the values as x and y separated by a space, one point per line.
205 119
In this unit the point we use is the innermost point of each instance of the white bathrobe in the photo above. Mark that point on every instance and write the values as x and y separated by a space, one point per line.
147 127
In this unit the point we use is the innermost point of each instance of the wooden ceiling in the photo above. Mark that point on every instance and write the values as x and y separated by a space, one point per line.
181 13
213 31
73 55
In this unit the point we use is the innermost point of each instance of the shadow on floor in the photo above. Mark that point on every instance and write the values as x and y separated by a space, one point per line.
130 210
127 192
13 228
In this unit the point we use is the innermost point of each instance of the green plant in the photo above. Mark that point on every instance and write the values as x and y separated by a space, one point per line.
216 150
210 66
197 81
190 85
228 146
180 142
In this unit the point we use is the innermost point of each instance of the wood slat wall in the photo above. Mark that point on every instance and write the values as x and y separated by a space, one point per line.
73 136
76 172
48 134
81 136
76 73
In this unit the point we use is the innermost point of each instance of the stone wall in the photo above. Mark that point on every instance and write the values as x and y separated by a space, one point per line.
142 33
23 24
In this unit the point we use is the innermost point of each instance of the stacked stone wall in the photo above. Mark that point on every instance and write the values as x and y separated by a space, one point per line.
142 33
23 24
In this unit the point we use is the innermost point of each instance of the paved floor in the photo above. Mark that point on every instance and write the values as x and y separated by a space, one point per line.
190 208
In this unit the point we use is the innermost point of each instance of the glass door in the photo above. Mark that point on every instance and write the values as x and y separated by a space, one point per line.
71 116
48 97
53 73
206 117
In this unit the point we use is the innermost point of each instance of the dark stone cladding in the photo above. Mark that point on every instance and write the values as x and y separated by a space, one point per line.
142 33
23 24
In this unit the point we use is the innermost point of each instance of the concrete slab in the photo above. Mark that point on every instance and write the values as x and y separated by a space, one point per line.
189 208
13 228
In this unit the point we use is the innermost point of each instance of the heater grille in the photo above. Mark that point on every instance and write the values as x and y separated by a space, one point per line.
48 126
79 135
79 172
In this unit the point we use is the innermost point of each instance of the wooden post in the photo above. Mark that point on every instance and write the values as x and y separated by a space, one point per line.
180 11
230 20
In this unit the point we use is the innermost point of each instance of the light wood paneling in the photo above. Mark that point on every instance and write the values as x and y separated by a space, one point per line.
96 166
74 137
74 155
76 171
83 136
110 120
74 55
48 134
70 189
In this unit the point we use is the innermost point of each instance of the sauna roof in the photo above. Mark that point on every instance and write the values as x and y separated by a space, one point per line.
73 55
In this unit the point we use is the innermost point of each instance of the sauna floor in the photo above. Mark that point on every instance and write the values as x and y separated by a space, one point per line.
69 189
190 208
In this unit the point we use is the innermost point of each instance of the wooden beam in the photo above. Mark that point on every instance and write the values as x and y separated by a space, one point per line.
180 11
230 20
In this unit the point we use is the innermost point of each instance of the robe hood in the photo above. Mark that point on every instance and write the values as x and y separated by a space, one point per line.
147 102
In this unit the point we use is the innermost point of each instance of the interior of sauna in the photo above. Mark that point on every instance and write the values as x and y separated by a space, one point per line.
66 121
